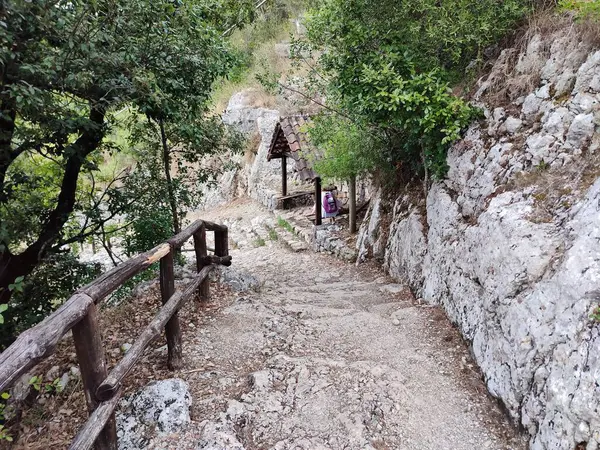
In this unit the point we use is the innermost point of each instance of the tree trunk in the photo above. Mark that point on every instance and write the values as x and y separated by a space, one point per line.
21 265
352 203
167 167
7 154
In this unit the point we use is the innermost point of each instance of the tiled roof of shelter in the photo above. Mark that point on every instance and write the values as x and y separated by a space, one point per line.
290 139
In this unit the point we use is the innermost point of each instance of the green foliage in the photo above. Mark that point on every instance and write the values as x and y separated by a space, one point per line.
282 223
273 235
150 227
53 387
158 199
36 382
386 66
595 315
348 150
3 309
43 291
255 48
31 187
50 387
584 9
17 286
446 34
4 434
80 81
259 242
419 108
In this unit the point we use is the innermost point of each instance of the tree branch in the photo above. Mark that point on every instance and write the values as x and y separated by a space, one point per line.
89 141
308 97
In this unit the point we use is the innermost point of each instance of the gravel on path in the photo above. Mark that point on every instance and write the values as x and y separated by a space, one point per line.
320 354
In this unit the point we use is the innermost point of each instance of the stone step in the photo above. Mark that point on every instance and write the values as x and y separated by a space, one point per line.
291 240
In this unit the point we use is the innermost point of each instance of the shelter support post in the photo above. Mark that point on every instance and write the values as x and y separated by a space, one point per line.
283 176
318 216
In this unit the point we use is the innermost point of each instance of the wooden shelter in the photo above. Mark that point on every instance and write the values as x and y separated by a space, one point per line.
290 140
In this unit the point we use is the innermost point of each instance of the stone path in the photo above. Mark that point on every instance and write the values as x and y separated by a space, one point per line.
322 355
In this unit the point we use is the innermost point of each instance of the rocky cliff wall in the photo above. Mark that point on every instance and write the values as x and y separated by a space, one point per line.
254 176
509 243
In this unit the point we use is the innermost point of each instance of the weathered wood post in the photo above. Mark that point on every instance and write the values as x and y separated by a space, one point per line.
92 364
201 252
352 202
318 215
222 241
172 329
283 176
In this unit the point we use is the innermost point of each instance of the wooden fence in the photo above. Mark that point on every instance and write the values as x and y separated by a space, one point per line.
80 315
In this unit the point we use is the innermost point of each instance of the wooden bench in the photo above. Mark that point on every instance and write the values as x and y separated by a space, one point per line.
285 199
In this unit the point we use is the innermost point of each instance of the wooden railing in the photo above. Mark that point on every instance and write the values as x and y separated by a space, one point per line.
80 315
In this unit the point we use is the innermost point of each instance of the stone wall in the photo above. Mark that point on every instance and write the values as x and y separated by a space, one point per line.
509 243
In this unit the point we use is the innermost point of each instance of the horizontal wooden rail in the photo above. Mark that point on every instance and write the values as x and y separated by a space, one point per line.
112 383
218 260
107 283
80 314
110 281
178 240
95 424
37 343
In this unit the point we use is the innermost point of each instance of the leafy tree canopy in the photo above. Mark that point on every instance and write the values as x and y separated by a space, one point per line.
68 68
389 64
346 148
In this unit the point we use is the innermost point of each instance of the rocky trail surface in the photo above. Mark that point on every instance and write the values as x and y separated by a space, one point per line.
317 354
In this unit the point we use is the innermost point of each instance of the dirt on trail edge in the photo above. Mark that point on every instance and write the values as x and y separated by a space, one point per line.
304 351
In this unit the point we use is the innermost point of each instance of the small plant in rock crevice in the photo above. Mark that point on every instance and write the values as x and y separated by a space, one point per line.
259 242
281 222
595 315
273 236
4 434
51 387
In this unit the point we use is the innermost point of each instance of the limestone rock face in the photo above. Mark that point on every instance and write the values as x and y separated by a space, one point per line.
218 436
253 175
242 112
370 236
508 243
406 239
162 407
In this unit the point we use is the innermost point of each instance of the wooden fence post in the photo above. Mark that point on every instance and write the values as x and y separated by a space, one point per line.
222 242
172 329
202 251
92 364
